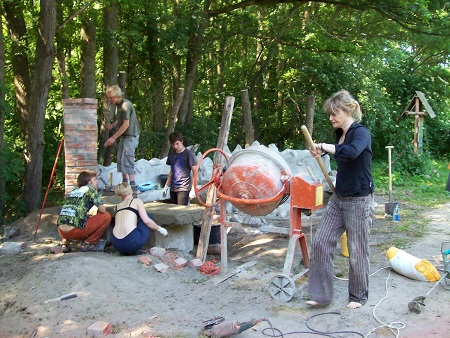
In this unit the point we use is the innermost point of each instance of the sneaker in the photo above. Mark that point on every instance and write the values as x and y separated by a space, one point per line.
94 247
65 248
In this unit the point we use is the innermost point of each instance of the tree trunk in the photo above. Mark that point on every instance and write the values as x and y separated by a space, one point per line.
19 48
60 54
111 68
310 116
2 116
195 46
192 60
42 75
87 73
172 122
247 112
157 80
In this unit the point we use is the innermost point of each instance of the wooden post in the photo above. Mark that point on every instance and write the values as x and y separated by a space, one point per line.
203 241
247 112
122 81
309 121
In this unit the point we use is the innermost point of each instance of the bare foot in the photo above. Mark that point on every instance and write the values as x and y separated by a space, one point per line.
311 303
354 305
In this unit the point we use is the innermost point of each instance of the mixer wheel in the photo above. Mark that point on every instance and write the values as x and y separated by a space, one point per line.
282 288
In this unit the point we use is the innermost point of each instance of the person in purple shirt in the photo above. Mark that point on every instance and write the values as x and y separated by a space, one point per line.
350 209
182 161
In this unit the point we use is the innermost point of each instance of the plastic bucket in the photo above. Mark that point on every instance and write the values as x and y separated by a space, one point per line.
214 236
163 179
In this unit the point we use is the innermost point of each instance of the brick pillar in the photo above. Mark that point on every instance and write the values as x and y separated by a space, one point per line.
80 139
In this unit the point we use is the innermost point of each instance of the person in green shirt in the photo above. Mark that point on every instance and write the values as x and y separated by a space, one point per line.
74 222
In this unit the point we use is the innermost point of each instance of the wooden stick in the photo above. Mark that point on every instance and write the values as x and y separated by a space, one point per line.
318 158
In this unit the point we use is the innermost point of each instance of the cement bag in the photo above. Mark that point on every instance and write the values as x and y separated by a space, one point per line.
411 266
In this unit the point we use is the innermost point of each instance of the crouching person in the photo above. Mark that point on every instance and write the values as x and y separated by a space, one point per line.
132 223
74 222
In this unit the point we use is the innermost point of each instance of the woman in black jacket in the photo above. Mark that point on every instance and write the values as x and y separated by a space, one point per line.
349 210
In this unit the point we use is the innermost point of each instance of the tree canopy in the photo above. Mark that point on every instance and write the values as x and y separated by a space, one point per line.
283 52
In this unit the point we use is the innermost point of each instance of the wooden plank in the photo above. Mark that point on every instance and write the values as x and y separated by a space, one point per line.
424 101
415 103
203 242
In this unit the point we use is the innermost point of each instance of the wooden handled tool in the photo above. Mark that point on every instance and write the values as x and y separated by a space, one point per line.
318 158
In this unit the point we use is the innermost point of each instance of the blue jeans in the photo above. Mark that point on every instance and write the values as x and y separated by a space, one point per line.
134 241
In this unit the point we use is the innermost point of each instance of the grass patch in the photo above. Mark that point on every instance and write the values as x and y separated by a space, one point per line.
425 189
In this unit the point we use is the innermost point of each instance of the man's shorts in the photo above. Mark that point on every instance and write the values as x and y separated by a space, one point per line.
125 154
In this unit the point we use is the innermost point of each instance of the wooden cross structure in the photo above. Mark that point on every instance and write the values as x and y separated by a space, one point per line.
419 108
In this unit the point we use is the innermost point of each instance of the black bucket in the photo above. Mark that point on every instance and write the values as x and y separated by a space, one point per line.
214 236
163 179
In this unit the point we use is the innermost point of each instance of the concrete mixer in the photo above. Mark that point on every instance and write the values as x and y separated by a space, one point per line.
256 181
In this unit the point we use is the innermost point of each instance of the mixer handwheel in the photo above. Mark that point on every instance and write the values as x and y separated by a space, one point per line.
216 177
282 288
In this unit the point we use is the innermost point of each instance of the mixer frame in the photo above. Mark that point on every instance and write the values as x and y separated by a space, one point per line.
305 196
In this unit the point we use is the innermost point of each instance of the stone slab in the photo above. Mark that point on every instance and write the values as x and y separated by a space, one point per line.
10 248
178 219
179 237
164 214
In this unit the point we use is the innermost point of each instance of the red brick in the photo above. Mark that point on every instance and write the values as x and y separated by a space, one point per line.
180 262
145 259
99 329
157 251
74 157
195 263
161 267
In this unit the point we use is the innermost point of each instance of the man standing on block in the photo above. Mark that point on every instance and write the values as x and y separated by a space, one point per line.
128 131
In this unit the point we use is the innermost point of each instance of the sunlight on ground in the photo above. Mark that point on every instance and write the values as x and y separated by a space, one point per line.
258 242
274 252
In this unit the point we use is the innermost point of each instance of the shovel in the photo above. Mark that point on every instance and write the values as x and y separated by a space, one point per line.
419 301
389 206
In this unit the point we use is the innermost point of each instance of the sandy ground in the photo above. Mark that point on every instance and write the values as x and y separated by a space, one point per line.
141 302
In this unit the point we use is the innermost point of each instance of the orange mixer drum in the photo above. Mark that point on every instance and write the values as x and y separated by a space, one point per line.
255 173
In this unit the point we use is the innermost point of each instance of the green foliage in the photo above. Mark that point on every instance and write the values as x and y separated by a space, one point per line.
424 188
373 49
150 144
12 172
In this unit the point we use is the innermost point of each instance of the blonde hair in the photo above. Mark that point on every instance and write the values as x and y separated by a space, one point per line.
344 101
123 189
114 91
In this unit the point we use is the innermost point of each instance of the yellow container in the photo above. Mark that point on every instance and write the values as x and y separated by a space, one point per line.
344 247
411 266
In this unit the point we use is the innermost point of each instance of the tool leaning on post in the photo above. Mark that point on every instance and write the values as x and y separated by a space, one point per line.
343 239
